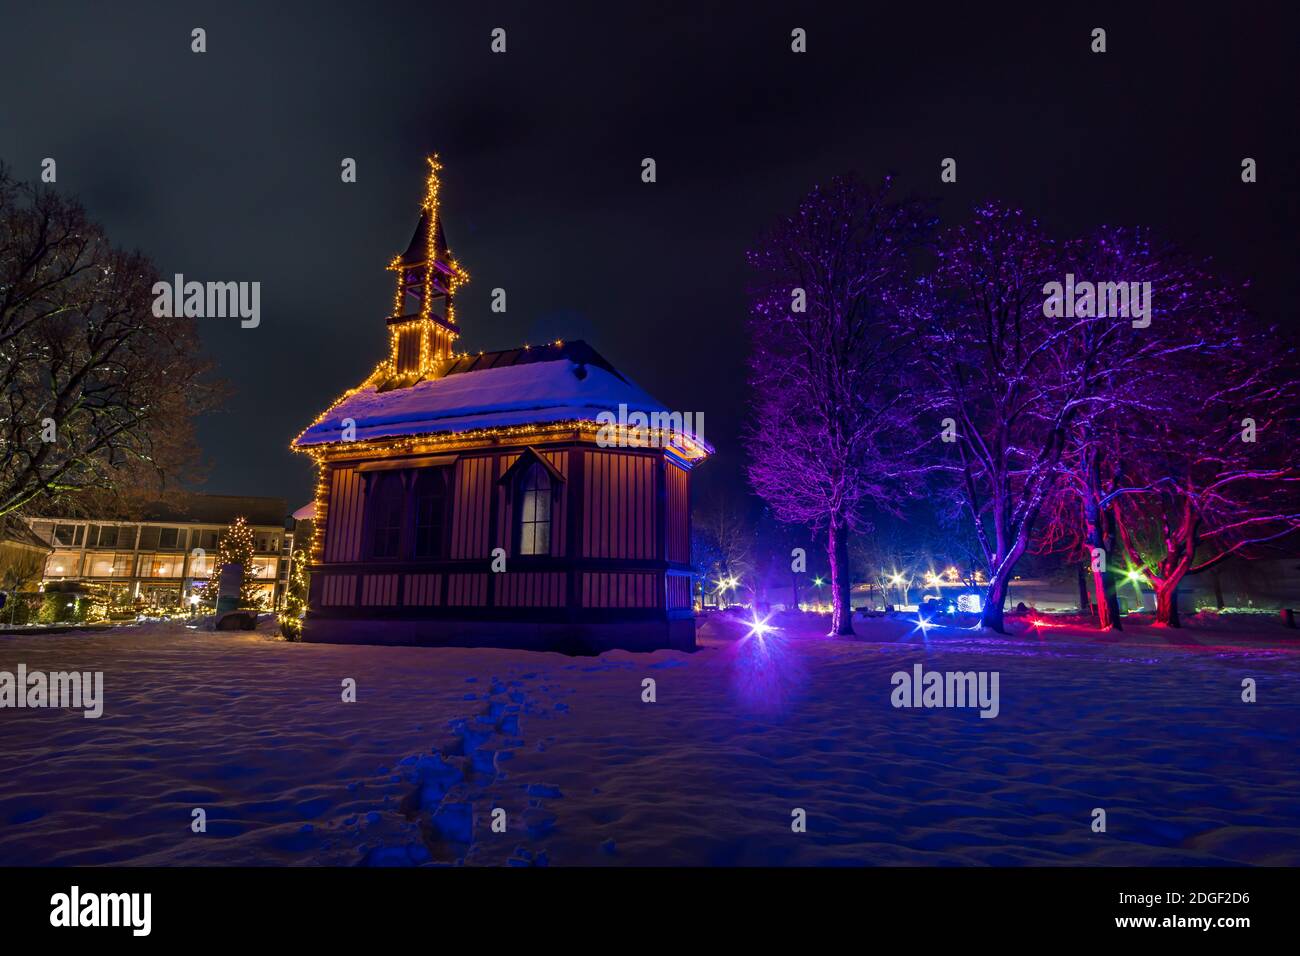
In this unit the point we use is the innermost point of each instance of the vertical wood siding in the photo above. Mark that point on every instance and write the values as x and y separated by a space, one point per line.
619 502
408 350
467 590
346 513
379 590
505 507
471 501
679 590
423 590
339 590
620 589
677 542
530 589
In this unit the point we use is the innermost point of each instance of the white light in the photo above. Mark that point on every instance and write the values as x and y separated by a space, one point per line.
759 629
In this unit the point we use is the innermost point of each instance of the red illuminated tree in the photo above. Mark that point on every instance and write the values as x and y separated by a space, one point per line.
1156 462
1066 425
1220 478
1139 381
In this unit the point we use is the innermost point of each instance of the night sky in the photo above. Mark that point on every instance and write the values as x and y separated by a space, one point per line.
225 165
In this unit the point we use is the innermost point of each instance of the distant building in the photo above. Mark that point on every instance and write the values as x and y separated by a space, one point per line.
167 556
487 500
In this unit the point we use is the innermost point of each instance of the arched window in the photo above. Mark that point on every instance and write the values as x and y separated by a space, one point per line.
430 511
533 509
386 503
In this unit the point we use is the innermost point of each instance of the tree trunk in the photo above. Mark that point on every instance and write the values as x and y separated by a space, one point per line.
1218 589
991 616
1167 605
1085 605
837 549
1103 581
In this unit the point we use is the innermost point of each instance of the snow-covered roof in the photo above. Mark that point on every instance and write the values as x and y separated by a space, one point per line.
549 384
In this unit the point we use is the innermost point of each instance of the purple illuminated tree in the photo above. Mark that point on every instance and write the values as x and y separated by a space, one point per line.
1002 382
831 406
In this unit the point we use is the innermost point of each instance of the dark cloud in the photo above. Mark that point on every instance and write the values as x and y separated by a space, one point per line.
226 165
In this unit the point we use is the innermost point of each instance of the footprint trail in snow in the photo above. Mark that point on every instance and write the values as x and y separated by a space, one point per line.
447 814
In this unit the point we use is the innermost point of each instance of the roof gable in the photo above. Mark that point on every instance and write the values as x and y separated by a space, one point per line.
577 351
527 457
559 383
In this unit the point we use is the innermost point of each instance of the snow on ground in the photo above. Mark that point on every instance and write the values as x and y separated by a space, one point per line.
1148 724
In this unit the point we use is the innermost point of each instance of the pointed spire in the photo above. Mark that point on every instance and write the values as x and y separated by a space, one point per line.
423 326
417 251
420 251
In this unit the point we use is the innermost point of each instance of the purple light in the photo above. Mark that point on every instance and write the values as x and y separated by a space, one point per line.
765 669
760 629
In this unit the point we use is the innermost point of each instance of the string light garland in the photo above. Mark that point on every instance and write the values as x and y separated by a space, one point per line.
606 434
442 276
295 598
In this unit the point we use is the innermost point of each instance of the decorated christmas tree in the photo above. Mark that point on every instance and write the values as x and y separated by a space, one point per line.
295 598
235 547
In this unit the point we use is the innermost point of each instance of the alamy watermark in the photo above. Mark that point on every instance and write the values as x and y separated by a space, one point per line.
922 688
1099 300
75 908
209 300
639 429
67 689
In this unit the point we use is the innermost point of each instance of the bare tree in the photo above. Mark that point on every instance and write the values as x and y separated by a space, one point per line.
724 540
1221 479
1158 463
1003 382
831 412
95 390
1132 373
